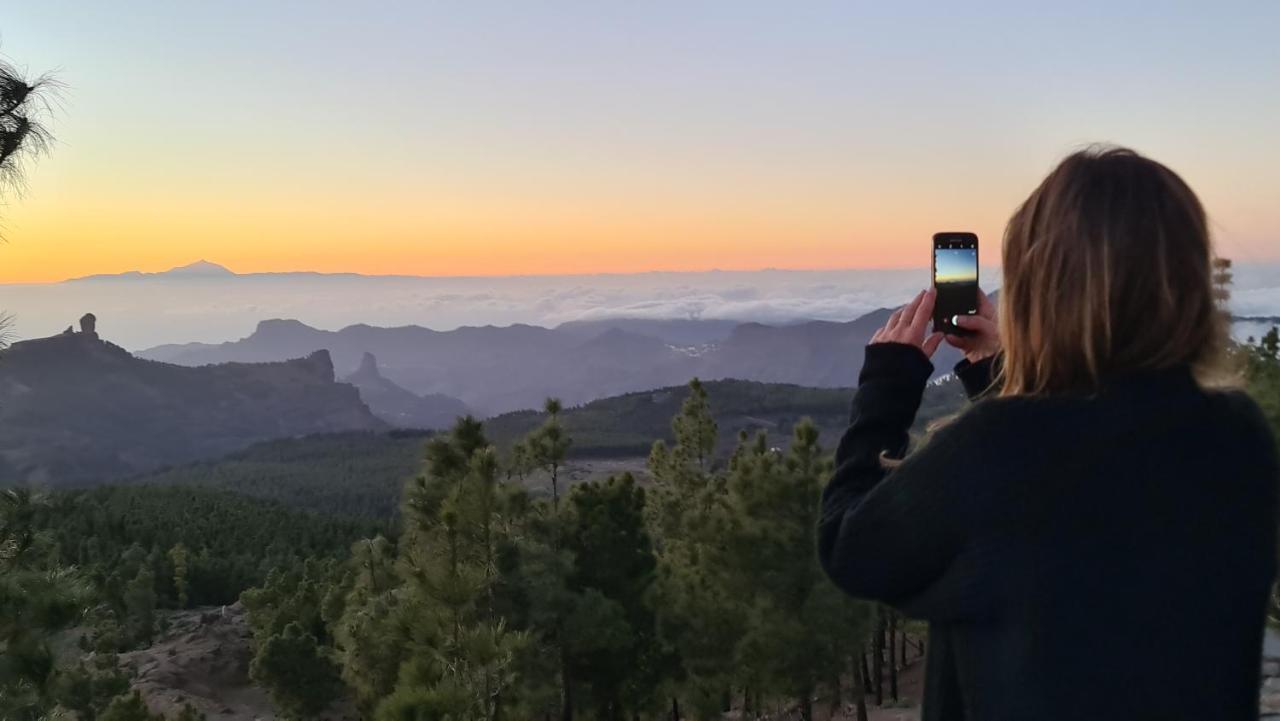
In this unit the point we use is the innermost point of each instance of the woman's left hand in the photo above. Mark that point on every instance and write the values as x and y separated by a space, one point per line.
909 324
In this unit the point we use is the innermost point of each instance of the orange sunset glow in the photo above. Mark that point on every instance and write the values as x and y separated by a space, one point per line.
464 143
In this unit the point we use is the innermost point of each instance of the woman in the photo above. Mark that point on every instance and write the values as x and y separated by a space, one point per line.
1096 537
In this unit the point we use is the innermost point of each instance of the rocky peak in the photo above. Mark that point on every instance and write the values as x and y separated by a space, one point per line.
89 325
68 344
320 364
368 368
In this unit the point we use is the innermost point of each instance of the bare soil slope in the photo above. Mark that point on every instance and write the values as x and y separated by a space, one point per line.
203 660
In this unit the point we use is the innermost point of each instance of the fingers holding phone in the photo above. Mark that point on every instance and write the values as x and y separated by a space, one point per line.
909 324
982 337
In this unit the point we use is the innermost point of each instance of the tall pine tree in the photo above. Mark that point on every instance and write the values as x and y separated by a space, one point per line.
699 618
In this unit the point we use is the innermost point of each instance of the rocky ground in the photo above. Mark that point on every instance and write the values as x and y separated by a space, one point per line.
202 660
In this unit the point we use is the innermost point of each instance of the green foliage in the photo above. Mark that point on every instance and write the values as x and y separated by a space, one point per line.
342 474
416 629
694 427
37 598
363 473
128 707
489 604
460 651
1263 375
140 606
180 557
297 672
218 545
307 594
740 596
611 634
229 542
369 633
548 447
90 685
443 701
21 133
629 424
800 625
606 600
699 619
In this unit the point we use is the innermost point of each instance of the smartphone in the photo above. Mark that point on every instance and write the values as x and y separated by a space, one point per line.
955 276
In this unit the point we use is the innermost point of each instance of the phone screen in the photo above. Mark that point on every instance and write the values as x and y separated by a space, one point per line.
955 276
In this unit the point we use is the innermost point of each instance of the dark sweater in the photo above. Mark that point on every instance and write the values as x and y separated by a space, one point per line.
1103 557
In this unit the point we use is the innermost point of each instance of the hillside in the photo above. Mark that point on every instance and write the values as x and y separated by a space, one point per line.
76 409
627 425
362 474
498 369
356 473
234 540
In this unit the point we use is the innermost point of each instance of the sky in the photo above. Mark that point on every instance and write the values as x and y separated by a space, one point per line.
558 138
955 265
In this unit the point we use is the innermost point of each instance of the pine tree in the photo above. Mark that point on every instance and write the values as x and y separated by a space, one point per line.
180 557
459 653
300 677
699 618
140 606
297 594
88 687
128 707
1262 376
801 626
695 428
611 634
37 598
369 638
549 446
539 600
22 135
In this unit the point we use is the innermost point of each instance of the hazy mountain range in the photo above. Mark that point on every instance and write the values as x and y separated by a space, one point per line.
498 369
76 408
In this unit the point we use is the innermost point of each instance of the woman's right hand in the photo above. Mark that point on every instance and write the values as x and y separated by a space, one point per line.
984 339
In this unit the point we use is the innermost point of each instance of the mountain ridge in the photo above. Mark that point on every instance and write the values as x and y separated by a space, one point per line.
190 271
362 473
495 369
75 408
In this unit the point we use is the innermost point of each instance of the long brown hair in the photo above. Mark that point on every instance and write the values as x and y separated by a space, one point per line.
1108 270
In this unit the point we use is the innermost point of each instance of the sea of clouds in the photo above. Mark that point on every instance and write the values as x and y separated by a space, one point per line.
143 312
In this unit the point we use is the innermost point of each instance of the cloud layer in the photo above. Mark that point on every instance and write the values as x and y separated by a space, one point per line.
141 313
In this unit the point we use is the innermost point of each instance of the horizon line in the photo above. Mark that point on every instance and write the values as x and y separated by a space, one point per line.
161 274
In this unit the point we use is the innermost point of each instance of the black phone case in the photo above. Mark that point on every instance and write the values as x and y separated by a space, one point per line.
942 323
